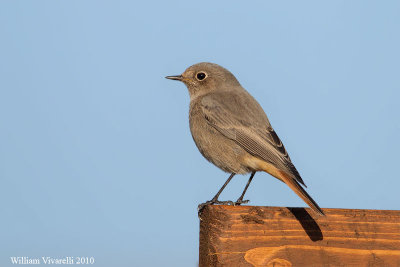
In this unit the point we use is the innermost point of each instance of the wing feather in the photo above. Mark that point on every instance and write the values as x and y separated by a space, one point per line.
239 117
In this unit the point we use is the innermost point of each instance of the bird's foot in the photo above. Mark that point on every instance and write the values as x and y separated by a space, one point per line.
241 201
201 206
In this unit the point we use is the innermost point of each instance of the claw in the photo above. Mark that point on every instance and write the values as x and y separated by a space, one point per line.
201 206
241 201
228 202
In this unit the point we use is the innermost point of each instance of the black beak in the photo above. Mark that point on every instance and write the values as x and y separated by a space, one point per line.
174 77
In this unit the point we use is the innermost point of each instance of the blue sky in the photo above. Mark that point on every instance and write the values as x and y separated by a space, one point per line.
96 157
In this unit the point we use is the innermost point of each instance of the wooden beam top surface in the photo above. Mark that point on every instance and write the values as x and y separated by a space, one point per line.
275 236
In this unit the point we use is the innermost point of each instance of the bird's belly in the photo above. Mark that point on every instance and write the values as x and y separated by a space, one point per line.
218 149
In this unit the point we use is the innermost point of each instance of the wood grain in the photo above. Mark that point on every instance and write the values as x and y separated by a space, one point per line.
275 236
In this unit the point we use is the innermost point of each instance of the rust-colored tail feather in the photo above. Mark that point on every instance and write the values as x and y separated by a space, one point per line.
296 187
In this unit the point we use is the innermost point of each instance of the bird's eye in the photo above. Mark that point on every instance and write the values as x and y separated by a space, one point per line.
201 76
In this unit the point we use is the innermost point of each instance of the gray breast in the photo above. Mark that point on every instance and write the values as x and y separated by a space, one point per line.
216 148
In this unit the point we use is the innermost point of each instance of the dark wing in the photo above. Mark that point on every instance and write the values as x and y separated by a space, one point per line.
239 117
273 137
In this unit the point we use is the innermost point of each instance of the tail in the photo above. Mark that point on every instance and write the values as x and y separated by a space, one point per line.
263 165
296 187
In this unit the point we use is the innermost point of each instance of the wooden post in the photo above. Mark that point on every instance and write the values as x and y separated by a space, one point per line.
274 236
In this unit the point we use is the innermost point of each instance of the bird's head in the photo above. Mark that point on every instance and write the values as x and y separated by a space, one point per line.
205 77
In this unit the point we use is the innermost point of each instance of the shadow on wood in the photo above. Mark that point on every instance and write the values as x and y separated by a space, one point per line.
274 236
308 223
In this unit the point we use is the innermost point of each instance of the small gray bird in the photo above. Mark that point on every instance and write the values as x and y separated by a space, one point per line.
232 131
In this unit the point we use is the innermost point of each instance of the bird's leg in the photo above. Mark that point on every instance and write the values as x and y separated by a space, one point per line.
240 199
215 200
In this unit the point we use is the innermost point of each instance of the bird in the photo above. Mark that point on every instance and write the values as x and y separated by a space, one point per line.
232 131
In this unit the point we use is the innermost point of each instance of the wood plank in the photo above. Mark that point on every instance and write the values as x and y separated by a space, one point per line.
276 236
